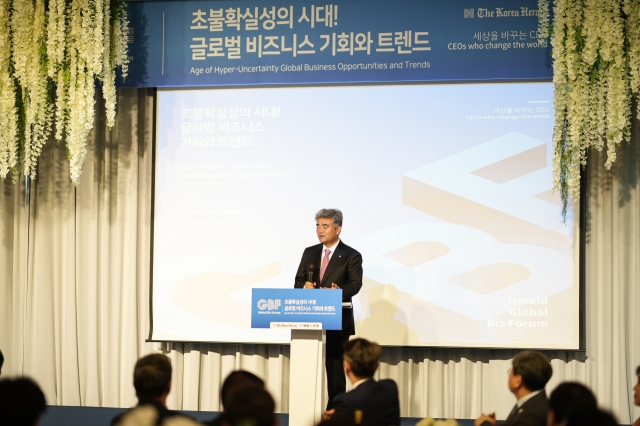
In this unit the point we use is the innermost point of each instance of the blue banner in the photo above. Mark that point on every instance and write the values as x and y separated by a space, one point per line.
220 43
296 308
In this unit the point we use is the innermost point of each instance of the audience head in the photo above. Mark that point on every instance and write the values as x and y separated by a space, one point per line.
530 372
361 357
236 379
636 388
568 398
1 361
152 377
21 402
249 405
591 417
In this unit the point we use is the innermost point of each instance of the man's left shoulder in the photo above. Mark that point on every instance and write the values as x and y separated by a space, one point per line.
540 400
534 411
348 250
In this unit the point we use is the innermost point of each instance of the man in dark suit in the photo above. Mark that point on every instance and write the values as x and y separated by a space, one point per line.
528 376
332 265
369 402
152 381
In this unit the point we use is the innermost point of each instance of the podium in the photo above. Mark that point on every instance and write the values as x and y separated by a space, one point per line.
308 313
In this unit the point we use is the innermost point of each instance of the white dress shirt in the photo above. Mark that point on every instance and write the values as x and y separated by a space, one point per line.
332 249
358 383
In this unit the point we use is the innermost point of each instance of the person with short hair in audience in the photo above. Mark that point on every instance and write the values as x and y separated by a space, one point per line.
21 402
152 381
528 376
235 379
369 402
568 398
249 405
636 394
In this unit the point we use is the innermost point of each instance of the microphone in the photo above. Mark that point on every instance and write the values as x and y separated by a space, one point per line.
310 273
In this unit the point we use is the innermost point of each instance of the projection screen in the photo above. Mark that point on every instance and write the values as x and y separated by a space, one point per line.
446 190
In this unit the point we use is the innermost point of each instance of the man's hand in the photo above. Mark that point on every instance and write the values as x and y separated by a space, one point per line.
334 286
491 418
637 422
328 414
309 285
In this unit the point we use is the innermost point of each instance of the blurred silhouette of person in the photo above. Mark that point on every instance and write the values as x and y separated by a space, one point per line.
568 398
235 379
21 402
250 405
591 417
152 381
636 394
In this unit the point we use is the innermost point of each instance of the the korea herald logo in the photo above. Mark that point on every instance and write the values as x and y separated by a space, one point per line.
269 304
468 13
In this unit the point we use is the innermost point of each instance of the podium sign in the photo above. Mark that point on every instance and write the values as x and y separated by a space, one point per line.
301 309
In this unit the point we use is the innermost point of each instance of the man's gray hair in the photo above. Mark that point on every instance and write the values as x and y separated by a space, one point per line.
333 214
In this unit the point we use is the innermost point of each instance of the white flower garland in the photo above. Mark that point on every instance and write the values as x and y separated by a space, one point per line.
55 59
543 21
8 111
596 72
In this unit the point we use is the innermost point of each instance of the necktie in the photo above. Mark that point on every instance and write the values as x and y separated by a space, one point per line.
513 413
325 262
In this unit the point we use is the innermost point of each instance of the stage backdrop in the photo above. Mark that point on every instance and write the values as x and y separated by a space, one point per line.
446 189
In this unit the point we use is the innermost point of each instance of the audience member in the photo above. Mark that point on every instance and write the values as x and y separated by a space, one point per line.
235 379
21 402
568 398
528 376
249 405
369 402
1 362
591 417
152 381
147 415
636 394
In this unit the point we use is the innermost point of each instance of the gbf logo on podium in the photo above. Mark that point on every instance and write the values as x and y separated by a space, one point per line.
269 304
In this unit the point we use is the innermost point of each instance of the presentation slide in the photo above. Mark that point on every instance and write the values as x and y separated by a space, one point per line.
446 191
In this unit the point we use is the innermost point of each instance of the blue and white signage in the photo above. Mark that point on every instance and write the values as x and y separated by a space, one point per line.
296 309
219 43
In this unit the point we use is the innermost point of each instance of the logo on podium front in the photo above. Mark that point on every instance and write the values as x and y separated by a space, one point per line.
269 304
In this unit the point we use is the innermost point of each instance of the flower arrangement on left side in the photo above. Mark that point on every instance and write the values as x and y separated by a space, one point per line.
51 53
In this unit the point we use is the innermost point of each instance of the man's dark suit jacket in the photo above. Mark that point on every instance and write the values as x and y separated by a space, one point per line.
344 269
378 402
532 413
163 412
